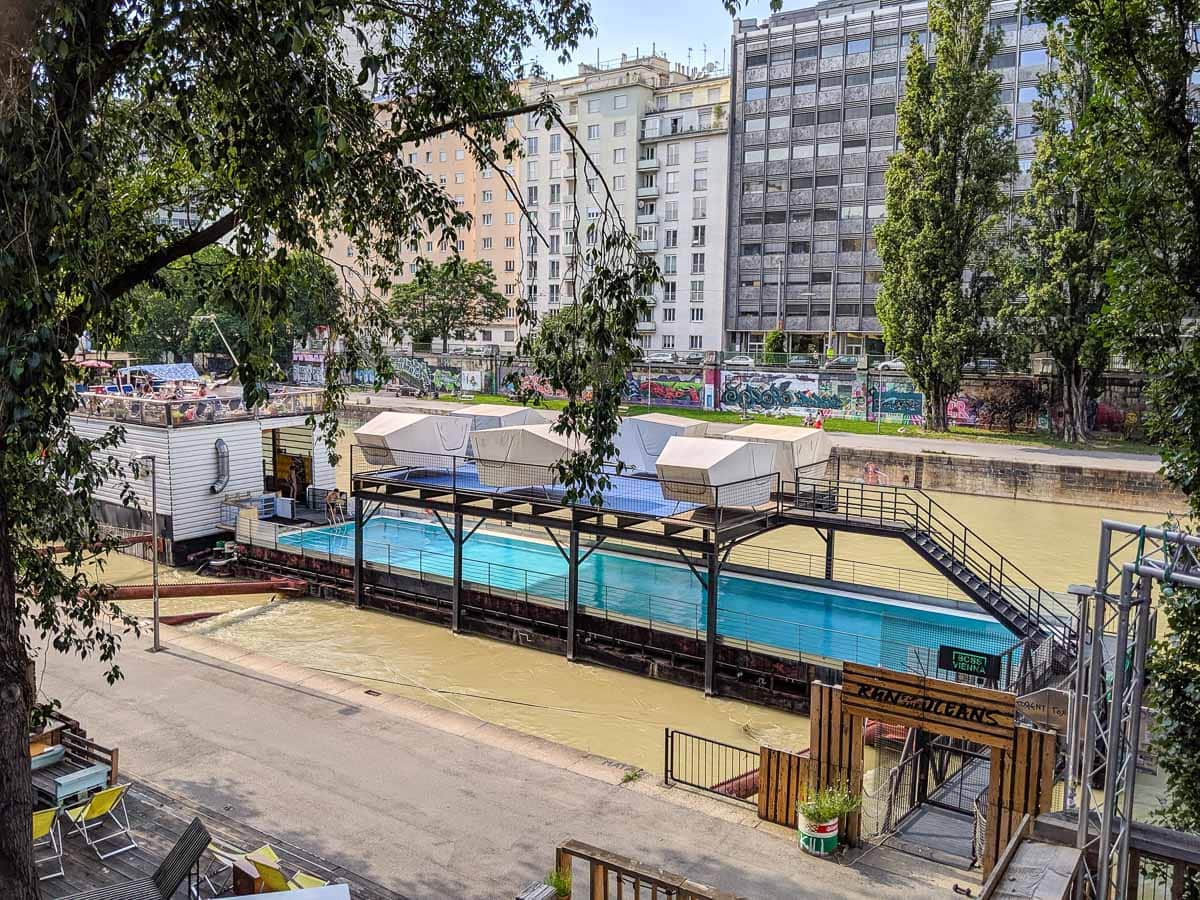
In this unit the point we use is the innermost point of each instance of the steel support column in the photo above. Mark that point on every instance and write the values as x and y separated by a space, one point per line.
358 553
829 535
456 589
710 631
572 590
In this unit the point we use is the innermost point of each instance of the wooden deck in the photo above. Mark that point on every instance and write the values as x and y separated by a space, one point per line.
157 819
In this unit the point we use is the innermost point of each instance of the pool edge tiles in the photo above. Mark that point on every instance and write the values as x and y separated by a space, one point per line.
830 623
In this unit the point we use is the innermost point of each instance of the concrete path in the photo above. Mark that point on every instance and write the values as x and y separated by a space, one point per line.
425 802
1026 453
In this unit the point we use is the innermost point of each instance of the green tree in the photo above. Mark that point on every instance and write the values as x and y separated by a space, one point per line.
775 342
1064 251
163 307
453 299
945 201
249 115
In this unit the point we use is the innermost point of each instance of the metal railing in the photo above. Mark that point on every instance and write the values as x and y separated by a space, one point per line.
911 509
195 410
611 875
711 766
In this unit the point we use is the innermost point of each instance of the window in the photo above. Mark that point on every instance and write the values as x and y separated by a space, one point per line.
799 247
487 243
850 245
804 87
555 218
697 263
883 76
1026 129
593 105
487 219
668 292
620 101
777 154
554 244
672 154
1024 164
755 59
531 146
830 83
441 156
882 109
758 92
671 211
699 207
554 268
859 45
412 158
669 315
698 235
828 51
486 196
555 192
802 151
531 195
854 112
714 95
556 143
700 180
441 180
883 41
697 312
802 182
829 148
593 133
669 266
618 156
858 79
1027 94
828 116
671 238
755 124
824 214
776 186
668 340
428 156
619 128
1003 60
695 342
1034 56
774 123
854 145
509 266
510 242
852 212
803 53
554 293
753 156
750 250
618 182
672 182
700 151
801 119
531 170
429 246
685 99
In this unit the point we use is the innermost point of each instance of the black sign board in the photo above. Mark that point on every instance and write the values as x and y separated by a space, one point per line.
969 662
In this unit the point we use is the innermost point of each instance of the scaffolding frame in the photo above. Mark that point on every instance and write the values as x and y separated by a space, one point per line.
1117 625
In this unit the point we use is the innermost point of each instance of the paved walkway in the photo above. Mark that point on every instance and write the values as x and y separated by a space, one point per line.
1026 453
426 803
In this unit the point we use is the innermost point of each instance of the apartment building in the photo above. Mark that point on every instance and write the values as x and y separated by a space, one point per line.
493 237
656 136
813 127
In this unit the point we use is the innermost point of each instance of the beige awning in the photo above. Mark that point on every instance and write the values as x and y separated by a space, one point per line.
641 439
521 456
694 468
497 415
412 439
794 447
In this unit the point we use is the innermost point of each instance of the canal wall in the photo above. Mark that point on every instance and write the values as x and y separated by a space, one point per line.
629 645
1107 488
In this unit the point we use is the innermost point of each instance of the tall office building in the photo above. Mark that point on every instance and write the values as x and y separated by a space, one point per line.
657 137
813 126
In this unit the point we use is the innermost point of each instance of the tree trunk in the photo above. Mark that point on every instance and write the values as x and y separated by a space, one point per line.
1076 388
935 405
17 878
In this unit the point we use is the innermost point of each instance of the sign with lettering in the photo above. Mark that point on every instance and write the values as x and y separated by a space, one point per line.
969 662
1048 707
945 707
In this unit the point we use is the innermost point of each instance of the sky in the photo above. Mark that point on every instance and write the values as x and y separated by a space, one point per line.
671 27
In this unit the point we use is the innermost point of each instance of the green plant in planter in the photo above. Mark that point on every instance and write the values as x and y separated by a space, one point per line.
828 804
560 882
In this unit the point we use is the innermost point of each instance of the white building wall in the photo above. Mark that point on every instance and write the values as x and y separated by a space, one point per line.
195 509
140 440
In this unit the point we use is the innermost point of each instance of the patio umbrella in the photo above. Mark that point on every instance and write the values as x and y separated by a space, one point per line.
94 364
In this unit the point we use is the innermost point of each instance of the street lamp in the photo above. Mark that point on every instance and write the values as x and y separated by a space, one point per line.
210 317
153 463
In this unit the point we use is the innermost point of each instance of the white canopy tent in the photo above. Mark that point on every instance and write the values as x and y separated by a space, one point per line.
794 447
641 439
496 415
691 468
412 439
521 456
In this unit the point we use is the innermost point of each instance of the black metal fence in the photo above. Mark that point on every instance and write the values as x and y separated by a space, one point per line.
711 766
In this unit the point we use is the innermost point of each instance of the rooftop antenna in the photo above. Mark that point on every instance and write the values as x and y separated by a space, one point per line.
704 50
689 57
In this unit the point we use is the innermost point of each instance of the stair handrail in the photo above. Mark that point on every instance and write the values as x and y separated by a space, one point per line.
964 545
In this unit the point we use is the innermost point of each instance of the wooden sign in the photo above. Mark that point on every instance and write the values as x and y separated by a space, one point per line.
945 707
969 662
1048 707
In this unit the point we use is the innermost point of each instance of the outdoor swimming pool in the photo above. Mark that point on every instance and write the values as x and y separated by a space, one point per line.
829 623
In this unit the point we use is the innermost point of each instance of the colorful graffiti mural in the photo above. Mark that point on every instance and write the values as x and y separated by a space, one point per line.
828 394
666 388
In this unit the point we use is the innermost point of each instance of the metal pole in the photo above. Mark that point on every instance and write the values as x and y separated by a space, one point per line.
1113 760
573 590
829 532
456 590
710 637
358 552
1078 707
1142 637
154 554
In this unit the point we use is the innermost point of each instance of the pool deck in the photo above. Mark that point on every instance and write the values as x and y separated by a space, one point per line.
424 802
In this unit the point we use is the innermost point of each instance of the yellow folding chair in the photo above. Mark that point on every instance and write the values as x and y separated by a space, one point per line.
106 806
47 832
268 864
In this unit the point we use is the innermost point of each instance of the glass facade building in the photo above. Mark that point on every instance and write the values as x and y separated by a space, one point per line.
814 123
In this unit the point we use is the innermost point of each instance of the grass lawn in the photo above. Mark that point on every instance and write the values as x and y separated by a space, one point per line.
855 426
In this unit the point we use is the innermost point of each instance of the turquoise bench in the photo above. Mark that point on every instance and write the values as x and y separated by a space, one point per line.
75 784
48 757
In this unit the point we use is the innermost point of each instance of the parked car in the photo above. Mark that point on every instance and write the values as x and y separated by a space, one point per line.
804 360
891 365
842 362
660 356
984 365
692 356
740 360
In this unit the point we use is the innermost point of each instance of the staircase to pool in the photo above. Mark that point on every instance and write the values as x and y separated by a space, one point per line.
977 568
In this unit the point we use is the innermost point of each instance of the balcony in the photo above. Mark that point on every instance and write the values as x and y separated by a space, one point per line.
648 165
647 192
647 246
645 327
646 218
650 300
570 251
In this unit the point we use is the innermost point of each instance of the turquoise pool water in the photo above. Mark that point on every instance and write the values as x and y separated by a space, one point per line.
829 623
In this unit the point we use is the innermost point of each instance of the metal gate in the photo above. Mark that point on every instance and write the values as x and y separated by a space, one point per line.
711 766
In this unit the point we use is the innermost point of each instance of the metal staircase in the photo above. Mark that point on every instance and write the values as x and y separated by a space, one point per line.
977 568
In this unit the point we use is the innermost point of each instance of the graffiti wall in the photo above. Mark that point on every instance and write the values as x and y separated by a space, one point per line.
821 395
682 388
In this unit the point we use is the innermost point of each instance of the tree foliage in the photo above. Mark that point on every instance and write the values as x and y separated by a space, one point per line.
449 300
1063 249
945 203
250 116
774 342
